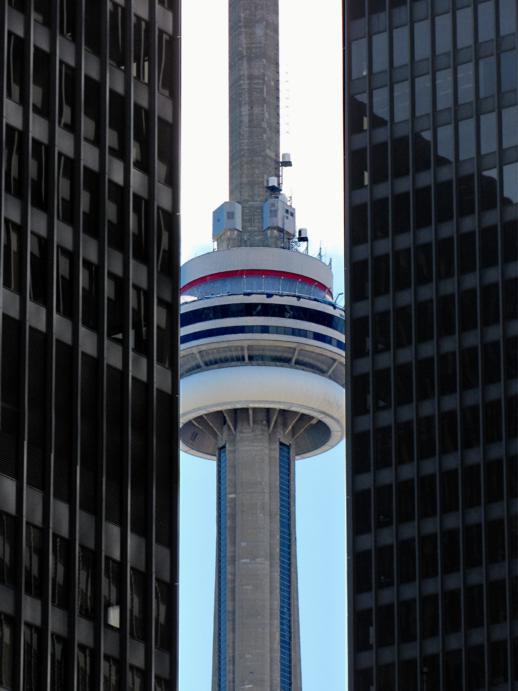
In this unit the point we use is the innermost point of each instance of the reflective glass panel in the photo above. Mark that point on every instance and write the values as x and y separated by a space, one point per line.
380 107
444 144
379 52
358 58
400 46
488 133
422 39
510 126
487 77
508 70
510 183
443 86
465 83
401 101
507 16
423 95
466 139
464 27
486 21
442 33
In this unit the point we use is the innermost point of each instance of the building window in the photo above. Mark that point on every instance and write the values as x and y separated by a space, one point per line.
136 679
64 288
161 684
285 566
91 102
497 663
39 175
486 77
67 18
385 625
140 49
139 320
40 82
400 157
86 582
140 138
15 68
507 17
33 549
85 669
401 101
112 586
38 269
407 621
137 603
13 163
429 616
379 48
465 83
165 64
92 33
508 70
115 216
115 302
509 131
65 189
358 58
466 139
6 652
116 125
164 152
139 228
406 560
164 223
442 34
31 658
117 34
111 674
90 295
162 615
58 663
400 46
12 256
7 552
443 89
66 96
90 202
422 39
163 336
464 24
60 583
363 571
474 606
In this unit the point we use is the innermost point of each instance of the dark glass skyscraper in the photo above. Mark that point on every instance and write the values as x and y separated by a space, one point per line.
432 274
89 97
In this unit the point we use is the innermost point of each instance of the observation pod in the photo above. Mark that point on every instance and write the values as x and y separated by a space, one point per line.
259 330
262 363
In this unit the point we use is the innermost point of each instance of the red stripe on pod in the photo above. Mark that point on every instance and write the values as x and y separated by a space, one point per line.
236 273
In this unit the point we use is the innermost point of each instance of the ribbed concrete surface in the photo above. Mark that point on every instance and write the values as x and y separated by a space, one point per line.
254 107
253 614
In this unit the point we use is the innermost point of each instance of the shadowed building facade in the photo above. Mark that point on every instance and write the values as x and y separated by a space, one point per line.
89 97
432 275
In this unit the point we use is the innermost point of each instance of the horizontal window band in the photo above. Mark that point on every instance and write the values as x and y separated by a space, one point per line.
277 330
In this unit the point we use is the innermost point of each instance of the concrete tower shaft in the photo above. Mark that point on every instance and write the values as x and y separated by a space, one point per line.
253 108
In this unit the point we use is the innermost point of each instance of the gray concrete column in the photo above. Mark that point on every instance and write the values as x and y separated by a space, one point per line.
254 107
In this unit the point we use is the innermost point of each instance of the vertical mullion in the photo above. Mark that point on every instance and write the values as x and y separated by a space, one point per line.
174 269
127 354
3 46
101 340
151 353
21 489
480 345
50 420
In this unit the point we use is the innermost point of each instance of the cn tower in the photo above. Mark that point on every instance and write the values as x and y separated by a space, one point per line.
262 366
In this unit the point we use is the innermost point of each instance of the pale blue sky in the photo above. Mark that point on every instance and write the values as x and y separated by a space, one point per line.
311 132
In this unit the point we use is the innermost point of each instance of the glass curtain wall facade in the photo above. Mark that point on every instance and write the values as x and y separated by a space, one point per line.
89 148
431 107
